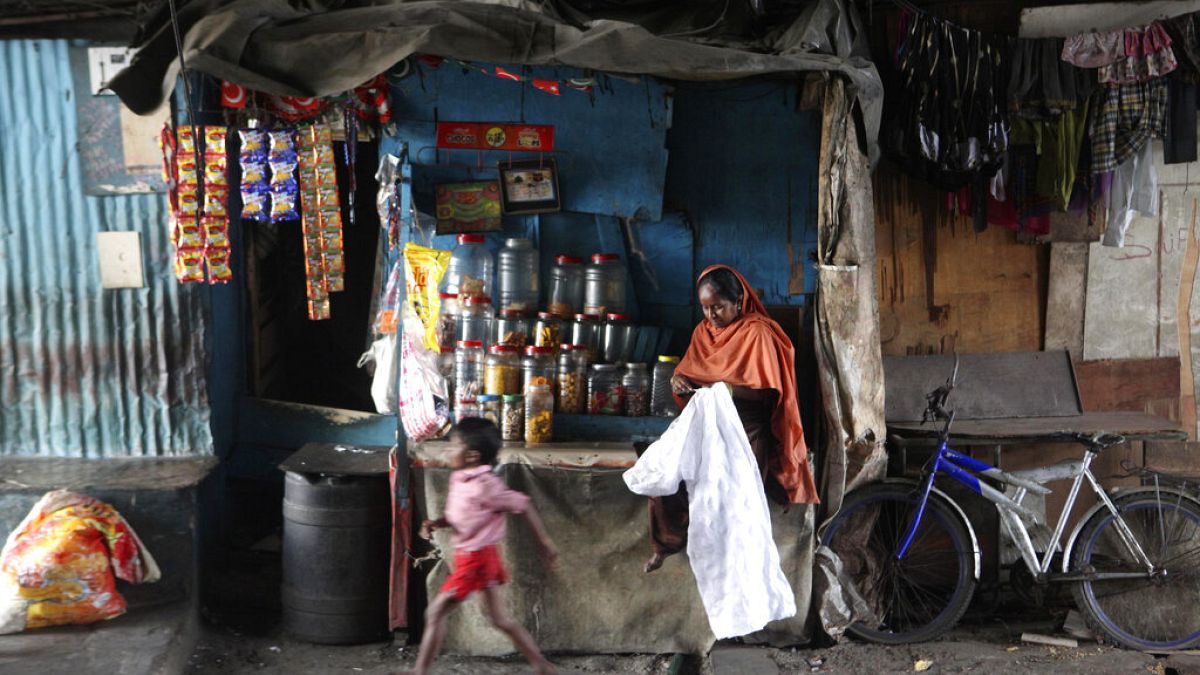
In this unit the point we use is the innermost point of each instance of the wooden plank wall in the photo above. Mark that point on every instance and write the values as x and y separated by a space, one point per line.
945 288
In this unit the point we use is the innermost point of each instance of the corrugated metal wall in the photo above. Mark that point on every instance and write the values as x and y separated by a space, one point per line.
84 372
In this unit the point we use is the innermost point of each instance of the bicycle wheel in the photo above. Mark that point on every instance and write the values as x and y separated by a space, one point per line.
1153 613
922 596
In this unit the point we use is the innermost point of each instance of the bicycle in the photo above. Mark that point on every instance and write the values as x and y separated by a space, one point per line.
911 552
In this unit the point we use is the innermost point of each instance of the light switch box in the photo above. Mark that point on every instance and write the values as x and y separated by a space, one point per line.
120 259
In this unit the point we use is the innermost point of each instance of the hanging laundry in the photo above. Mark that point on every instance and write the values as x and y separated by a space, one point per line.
1129 115
1042 85
1184 32
1148 54
1179 136
950 122
1134 190
1094 50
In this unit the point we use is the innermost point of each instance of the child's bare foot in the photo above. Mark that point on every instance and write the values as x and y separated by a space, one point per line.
653 563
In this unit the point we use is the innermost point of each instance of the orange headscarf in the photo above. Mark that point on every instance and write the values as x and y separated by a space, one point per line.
754 352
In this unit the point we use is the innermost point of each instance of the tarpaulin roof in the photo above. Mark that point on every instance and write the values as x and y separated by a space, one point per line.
321 47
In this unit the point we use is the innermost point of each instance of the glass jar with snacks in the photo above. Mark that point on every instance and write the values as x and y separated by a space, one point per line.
489 409
502 371
662 403
447 322
566 286
470 270
572 379
446 368
512 328
467 407
538 367
547 332
512 418
636 384
587 330
468 369
620 337
475 319
604 285
539 414
605 393
517 275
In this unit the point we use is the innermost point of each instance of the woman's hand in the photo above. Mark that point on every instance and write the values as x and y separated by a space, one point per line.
681 385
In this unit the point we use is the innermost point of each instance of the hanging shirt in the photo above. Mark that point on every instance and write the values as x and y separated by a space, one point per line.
732 552
1134 189
1129 116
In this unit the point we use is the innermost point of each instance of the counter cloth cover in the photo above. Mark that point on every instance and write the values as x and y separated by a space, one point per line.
322 47
600 601
755 352
58 565
729 545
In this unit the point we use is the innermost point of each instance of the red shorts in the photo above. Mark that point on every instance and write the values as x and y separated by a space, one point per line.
475 571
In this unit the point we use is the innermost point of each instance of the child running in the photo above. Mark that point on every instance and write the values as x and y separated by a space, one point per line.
475 511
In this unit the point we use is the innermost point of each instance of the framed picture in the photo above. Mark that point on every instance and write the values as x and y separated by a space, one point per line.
468 207
529 186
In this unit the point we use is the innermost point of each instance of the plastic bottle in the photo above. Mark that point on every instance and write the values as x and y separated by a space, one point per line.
566 286
539 414
471 268
468 369
604 285
662 402
517 275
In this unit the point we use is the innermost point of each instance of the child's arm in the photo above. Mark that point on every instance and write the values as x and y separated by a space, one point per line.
429 526
545 545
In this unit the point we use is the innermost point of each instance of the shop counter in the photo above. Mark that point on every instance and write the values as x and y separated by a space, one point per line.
599 600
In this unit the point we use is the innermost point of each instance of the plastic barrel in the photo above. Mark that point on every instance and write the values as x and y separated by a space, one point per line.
336 548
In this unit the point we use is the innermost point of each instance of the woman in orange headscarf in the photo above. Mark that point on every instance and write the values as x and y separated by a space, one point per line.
738 344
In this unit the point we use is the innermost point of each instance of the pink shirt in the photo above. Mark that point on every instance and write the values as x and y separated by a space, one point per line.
476 505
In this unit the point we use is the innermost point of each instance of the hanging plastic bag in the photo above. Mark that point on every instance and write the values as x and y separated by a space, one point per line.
58 566
424 409
383 382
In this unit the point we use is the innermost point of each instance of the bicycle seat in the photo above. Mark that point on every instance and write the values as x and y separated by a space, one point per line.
1100 441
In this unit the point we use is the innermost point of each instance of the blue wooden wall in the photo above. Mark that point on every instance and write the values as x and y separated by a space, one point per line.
675 177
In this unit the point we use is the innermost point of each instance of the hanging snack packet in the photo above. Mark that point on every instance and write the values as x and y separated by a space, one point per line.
188 234
282 159
215 200
423 272
219 271
254 188
189 265
214 140
216 232
254 145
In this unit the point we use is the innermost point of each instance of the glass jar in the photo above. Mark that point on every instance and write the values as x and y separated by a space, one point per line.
467 407
475 319
636 384
572 379
547 331
489 409
446 368
468 369
662 402
517 275
620 337
512 328
566 286
447 323
537 368
502 371
605 396
539 414
512 418
604 285
470 270
587 330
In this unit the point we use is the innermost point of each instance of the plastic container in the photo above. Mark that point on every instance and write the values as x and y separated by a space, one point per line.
489 409
587 330
636 385
512 328
467 407
512 418
538 367
502 371
547 331
475 319
446 368
604 285
517 275
662 402
468 369
572 379
447 324
605 393
539 414
471 268
620 337
566 286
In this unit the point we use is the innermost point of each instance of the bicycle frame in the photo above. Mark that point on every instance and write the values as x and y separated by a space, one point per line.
948 462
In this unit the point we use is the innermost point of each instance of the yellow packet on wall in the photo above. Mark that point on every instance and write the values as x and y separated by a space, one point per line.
423 270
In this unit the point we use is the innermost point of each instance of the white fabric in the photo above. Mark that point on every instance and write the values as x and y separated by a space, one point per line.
1134 189
730 546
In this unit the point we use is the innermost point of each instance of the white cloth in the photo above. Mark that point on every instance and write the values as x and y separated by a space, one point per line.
1134 189
730 546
